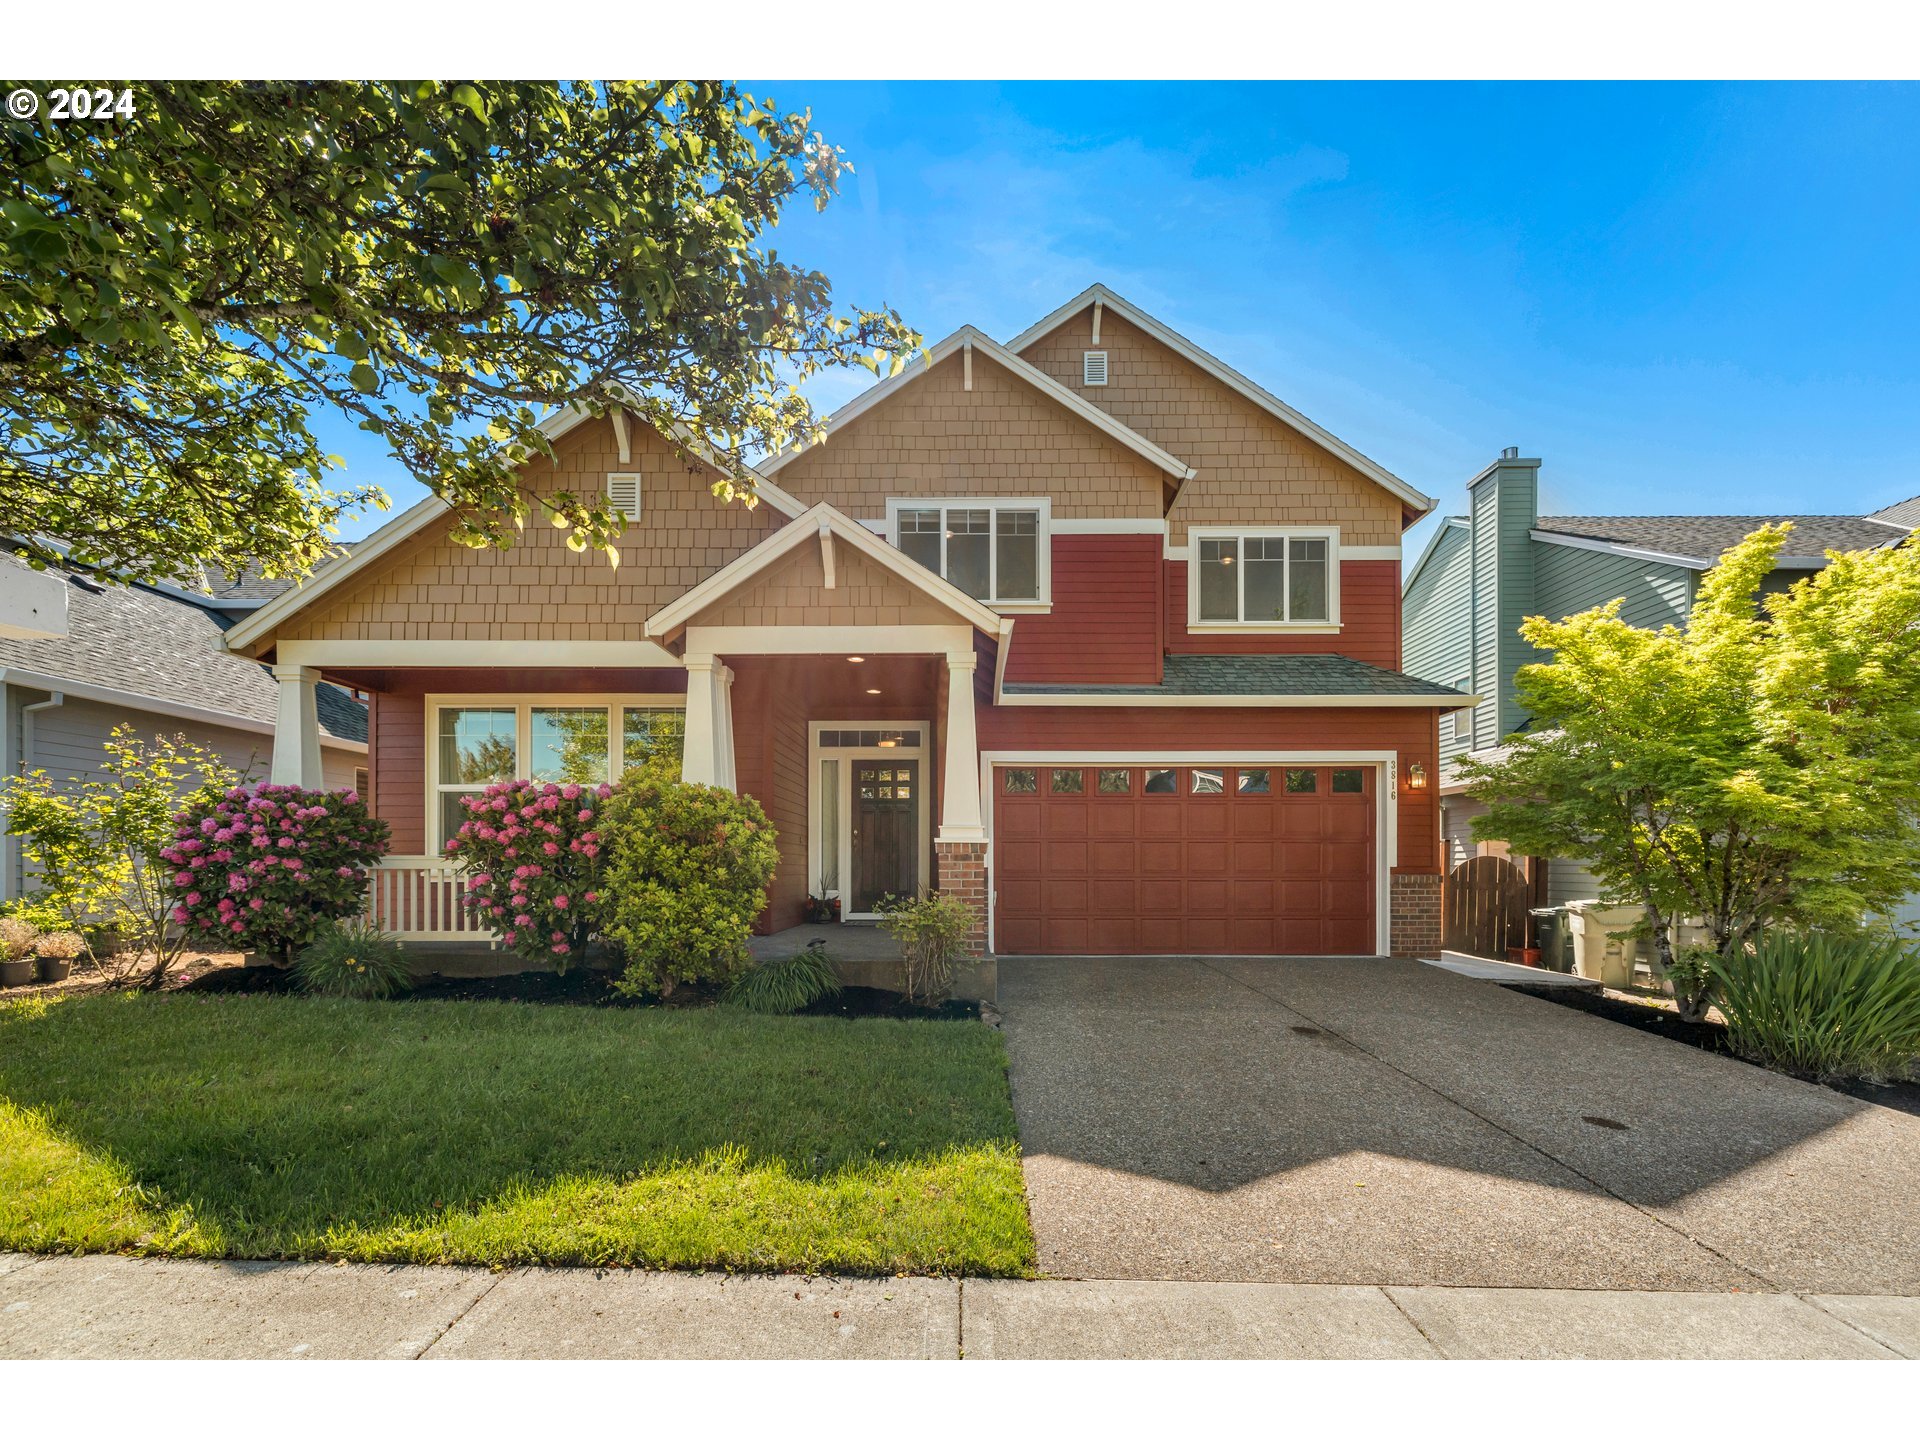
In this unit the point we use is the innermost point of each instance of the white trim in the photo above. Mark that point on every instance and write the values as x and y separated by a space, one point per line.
967 335
1042 548
1249 702
447 654
1122 525
826 639
1371 552
1386 817
922 808
1329 625
150 705
727 578
1451 522
1231 378
523 703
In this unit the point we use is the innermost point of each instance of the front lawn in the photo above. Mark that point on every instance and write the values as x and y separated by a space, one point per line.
257 1126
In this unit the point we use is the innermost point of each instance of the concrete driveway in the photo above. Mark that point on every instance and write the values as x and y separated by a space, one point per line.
1377 1122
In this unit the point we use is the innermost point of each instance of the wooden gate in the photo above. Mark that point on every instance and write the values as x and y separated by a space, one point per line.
1485 907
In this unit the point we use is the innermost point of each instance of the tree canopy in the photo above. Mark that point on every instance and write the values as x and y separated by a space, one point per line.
442 263
1757 766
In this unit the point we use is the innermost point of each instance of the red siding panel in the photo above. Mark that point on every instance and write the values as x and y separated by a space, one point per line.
1369 620
1105 623
397 760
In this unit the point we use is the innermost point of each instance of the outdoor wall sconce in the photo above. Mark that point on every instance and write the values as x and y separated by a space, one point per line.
1416 776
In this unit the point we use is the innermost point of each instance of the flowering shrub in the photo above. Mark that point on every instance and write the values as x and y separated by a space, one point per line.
688 871
269 867
533 859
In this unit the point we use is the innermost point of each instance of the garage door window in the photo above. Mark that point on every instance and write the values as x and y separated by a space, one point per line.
1069 782
1302 782
1209 782
1116 782
1252 782
1162 782
1349 782
1021 782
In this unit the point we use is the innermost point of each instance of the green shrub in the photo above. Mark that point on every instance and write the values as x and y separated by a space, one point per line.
781 987
932 932
1824 1006
687 870
354 961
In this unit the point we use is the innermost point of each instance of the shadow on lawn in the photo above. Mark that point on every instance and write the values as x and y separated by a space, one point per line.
269 1115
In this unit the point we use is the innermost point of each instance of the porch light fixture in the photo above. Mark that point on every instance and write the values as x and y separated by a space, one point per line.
873 692
856 659
1416 776
888 743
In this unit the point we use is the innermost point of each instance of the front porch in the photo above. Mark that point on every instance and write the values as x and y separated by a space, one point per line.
864 954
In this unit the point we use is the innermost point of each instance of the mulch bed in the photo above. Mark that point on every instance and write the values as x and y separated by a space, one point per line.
583 987
1708 1035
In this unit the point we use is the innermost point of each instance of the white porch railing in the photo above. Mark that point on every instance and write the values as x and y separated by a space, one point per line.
417 897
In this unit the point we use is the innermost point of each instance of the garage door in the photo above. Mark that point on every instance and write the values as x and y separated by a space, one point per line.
1184 860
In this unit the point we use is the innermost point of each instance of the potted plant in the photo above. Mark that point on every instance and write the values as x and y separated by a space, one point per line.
16 951
821 910
56 952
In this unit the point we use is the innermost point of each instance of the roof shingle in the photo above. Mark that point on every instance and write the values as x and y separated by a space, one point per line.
1279 676
1707 537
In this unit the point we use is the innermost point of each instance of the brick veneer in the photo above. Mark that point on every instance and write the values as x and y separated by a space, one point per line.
1415 916
960 870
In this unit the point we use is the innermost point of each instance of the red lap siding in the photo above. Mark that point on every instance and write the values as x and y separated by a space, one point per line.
1105 623
1369 620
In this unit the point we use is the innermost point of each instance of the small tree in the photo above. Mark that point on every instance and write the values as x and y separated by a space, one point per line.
100 848
1758 766
533 861
269 868
687 871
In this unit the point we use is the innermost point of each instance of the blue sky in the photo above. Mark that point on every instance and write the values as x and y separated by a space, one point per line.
1684 298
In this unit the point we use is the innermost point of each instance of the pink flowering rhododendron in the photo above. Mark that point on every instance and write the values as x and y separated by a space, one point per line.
545 908
283 900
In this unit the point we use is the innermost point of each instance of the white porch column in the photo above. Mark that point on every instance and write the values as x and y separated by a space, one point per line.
723 727
700 752
296 731
960 787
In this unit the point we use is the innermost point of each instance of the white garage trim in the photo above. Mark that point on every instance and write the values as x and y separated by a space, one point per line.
1386 793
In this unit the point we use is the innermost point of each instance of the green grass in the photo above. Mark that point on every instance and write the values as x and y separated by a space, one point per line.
262 1126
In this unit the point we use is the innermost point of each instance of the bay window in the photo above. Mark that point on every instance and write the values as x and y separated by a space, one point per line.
1267 578
994 550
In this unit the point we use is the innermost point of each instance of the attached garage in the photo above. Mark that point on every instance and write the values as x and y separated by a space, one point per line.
1261 857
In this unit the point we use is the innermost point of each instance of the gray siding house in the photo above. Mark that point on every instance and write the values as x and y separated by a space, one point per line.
1486 571
149 656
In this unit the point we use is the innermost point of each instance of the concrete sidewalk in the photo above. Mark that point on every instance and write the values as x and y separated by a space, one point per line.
108 1307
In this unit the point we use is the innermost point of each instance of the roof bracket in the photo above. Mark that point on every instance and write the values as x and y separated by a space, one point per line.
966 363
621 433
826 552
1096 321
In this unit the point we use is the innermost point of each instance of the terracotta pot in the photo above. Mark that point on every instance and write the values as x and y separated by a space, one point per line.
17 972
54 968
1525 955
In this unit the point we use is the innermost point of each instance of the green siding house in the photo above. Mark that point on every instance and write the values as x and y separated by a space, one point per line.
1487 570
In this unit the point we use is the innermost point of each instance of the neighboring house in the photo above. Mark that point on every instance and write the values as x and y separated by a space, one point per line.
1486 571
1088 629
150 656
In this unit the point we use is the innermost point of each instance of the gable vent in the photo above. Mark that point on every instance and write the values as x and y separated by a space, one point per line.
623 494
1094 371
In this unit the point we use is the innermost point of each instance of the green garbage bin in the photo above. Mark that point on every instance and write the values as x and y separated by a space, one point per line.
1555 939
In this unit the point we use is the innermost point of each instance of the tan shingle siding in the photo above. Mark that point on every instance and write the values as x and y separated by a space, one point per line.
1253 469
793 592
433 589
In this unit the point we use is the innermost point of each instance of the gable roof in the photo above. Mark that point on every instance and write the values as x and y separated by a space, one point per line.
967 336
807 529
132 646
1229 377
1696 541
1446 527
1904 513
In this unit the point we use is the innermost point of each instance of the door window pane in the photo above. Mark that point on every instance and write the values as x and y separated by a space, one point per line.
1017 554
1209 782
1219 586
1116 782
1021 782
829 826
1253 782
1302 782
969 532
1349 782
1161 782
1265 580
477 746
1307 580
653 730
920 537
1069 782
569 744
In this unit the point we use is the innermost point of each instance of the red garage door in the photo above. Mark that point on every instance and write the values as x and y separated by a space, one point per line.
1184 860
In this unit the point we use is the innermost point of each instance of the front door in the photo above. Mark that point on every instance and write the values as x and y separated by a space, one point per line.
886 831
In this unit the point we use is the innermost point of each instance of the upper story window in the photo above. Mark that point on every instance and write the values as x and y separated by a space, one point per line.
998 551
1266 578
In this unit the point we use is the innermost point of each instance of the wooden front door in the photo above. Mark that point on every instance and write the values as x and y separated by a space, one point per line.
886 831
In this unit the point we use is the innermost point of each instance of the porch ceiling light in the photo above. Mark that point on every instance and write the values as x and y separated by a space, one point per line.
856 659
873 692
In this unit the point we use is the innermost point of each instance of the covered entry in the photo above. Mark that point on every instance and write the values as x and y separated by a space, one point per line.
1229 858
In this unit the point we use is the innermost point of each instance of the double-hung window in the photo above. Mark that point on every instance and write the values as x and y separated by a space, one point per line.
1267 578
995 550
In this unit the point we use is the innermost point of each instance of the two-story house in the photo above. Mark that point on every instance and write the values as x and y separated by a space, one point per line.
1486 571
1087 628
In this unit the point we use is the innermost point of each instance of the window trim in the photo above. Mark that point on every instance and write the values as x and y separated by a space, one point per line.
1041 605
1329 626
523 704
